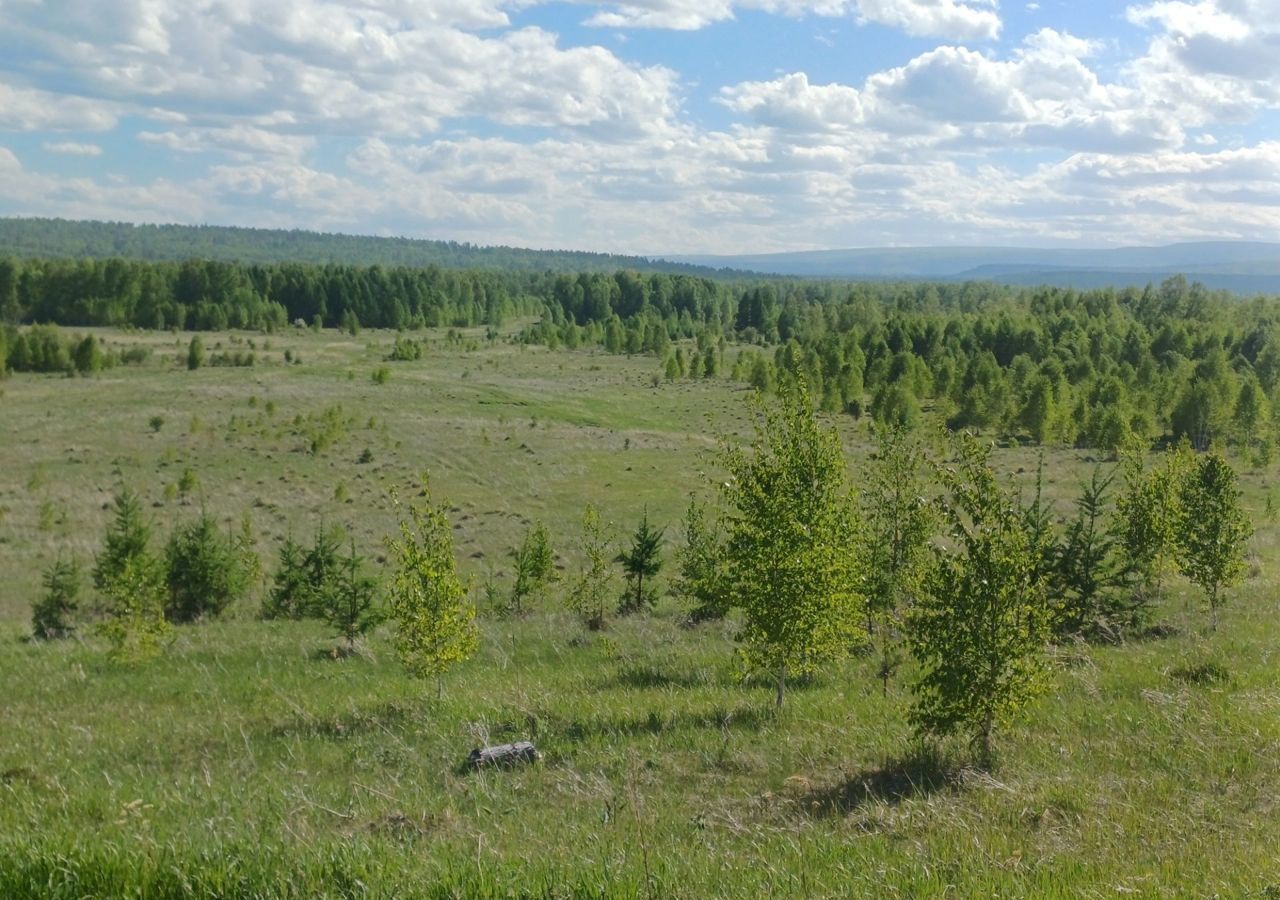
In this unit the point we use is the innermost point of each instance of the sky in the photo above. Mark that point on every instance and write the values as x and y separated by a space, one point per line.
652 126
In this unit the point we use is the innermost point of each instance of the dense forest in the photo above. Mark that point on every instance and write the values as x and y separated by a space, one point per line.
60 238
1049 365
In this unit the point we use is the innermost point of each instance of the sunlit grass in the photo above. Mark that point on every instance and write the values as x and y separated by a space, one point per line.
248 761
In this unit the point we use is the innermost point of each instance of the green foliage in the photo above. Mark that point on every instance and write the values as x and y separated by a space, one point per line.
351 605
1213 529
51 614
87 356
1091 581
156 423
703 579
435 621
534 563
641 563
1147 515
381 375
188 483
898 522
127 539
790 548
204 571
350 322
405 350
980 625
305 580
135 625
195 353
589 593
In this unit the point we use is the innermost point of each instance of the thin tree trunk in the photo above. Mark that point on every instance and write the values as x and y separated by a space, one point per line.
986 741
782 686
439 688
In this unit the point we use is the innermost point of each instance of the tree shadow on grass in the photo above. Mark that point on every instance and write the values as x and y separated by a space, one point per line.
747 718
921 773
645 676
348 724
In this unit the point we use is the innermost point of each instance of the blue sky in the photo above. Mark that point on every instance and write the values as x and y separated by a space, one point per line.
652 126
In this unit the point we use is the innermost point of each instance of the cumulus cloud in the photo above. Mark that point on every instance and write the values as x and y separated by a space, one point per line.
395 67
1211 60
792 103
958 20
1043 95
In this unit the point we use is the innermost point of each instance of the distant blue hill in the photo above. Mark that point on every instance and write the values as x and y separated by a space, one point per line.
1243 267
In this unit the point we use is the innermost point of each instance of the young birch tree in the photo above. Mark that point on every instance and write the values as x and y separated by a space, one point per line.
1214 529
980 625
898 522
436 623
702 581
1147 516
790 549
591 589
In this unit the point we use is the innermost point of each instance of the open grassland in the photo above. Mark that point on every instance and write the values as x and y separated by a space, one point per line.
247 761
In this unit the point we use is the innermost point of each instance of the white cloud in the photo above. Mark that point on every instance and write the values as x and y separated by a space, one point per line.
792 103
393 67
72 148
954 19
245 142
953 98
24 109
1211 60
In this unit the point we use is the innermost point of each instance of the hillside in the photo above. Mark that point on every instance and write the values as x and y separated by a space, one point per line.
45 238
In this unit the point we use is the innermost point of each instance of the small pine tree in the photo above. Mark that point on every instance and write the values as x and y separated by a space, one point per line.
1213 529
195 353
127 538
534 563
51 614
203 571
304 579
980 625
703 579
1090 579
590 591
641 563
351 606
436 625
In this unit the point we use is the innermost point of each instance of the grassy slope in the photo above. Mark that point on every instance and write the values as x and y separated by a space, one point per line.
247 761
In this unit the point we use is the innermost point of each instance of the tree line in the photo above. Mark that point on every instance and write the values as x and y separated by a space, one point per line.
1052 366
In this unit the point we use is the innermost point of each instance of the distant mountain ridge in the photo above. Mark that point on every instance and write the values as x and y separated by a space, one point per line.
1241 266
62 238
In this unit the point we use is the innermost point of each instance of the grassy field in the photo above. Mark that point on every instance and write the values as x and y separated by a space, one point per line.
247 761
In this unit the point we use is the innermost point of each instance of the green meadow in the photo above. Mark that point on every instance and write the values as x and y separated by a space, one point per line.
248 761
